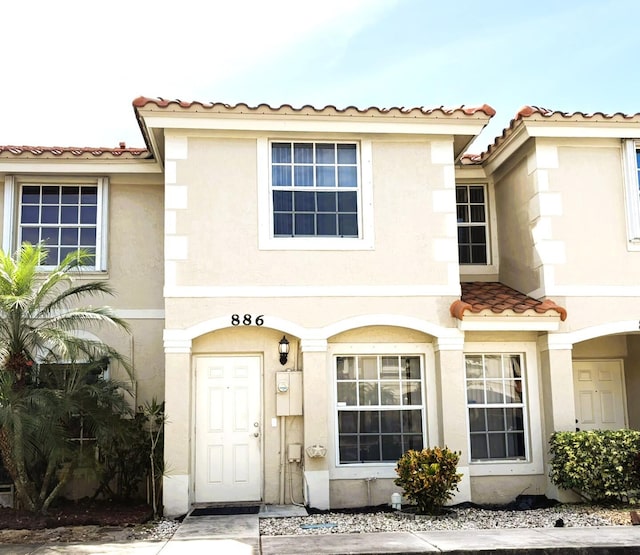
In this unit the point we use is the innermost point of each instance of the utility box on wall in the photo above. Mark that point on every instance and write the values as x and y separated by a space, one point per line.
288 393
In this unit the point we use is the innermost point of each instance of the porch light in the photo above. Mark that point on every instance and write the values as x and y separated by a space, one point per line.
283 349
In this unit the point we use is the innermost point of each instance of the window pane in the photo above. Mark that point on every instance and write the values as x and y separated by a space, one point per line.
347 393
476 195
412 421
282 201
30 215
514 420
64 251
347 154
493 366
88 215
515 445
325 176
303 153
51 236
464 254
347 176
49 214
303 176
368 368
326 202
461 194
281 153
369 393
348 449
497 446
477 235
50 195
345 368
70 195
411 393
493 391
89 195
52 257
477 422
411 367
413 441
348 225
370 448
462 213
389 368
475 392
391 422
477 214
391 448
30 235
495 420
390 393
305 201
31 195
513 391
88 236
369 422
69 214
281 176
348 202
347 422
326 225
464 234
479 447
325 154
283 224
478 255
304 224
69 236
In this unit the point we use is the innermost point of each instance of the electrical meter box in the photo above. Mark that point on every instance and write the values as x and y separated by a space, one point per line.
288 393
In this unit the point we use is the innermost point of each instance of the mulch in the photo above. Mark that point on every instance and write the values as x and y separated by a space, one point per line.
77 513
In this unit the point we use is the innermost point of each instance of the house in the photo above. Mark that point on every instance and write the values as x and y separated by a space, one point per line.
315 290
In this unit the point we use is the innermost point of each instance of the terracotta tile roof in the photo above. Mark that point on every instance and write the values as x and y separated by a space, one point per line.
10 151
470 159
142 102
537 113
479 296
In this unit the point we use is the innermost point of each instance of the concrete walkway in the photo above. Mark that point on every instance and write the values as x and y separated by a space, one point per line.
240 535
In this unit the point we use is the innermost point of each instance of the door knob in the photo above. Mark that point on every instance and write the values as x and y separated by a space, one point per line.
256 434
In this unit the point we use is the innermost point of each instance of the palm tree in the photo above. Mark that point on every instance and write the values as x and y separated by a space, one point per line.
49 373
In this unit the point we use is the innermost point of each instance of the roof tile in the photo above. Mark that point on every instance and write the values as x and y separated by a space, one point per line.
70 151
478 296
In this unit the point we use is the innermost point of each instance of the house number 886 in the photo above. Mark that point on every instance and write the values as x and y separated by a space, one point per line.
246 320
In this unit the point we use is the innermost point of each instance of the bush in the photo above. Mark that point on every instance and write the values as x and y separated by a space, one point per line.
600 465
428 477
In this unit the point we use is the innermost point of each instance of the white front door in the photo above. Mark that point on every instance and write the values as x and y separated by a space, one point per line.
228 429
599 394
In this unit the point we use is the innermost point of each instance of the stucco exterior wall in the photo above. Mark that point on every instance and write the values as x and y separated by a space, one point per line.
514 189
220 222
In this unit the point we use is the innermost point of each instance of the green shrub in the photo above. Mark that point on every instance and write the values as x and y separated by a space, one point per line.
428 477
600 465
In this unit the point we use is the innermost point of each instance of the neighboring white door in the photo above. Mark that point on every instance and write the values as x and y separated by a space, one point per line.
228 428
599 394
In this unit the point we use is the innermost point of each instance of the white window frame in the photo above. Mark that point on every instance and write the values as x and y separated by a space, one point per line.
266 239
359 471
485 224
11 224
534 447
631 176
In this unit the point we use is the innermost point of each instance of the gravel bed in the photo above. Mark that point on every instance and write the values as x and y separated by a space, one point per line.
455 519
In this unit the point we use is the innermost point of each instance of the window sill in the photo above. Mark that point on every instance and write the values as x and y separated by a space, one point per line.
315 244
505 468
362 471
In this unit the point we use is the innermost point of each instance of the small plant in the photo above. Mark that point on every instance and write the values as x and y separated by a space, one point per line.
600 465
429 477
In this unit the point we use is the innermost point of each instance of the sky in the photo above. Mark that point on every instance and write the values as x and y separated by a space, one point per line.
70 69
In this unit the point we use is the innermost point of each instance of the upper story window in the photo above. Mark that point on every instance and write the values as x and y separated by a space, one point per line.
65 216
497 405
631 158
380 405
471 209
315 188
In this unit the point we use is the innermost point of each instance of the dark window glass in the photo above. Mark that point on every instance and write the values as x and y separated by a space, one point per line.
326 224
304 224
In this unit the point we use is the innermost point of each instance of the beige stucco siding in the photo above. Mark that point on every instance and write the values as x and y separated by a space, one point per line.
592 220
135 245
514 190
220 222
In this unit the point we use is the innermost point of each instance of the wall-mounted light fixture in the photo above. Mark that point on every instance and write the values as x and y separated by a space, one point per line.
283 349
